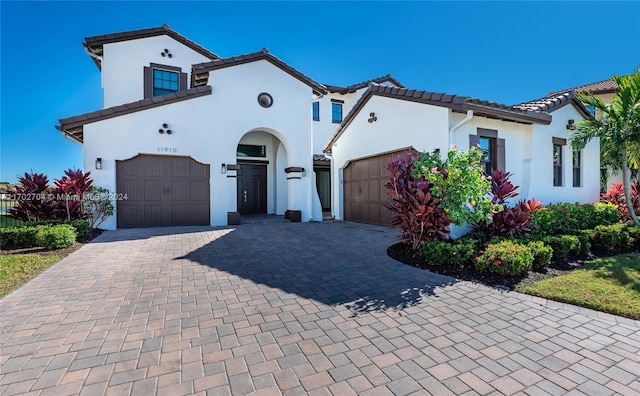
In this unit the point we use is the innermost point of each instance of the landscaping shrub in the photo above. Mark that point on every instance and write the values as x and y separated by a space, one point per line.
458 253
566 218
584 236
81 227
634 233
611 237
97 205
541 255
56 237
510 220
615 196
416 212
505 258
18 237
36 201
563 245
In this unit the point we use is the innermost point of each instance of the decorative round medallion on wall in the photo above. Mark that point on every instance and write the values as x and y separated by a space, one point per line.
265 100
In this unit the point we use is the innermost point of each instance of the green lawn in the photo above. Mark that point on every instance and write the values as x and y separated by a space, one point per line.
18 269
610 284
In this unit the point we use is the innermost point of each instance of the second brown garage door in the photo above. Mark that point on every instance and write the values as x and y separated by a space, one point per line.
162 191
364 190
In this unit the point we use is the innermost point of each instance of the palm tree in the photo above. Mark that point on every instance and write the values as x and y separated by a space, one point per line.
618 128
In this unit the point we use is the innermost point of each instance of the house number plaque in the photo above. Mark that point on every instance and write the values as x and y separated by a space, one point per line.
167 150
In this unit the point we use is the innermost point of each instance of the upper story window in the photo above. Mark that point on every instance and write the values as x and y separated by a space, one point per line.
558 144
315 107
592 110
163 79
336 111
164 82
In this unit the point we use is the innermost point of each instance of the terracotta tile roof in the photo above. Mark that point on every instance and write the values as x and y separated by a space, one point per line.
354 87
95 43
554 102
455 102
600 87
199 72
74 126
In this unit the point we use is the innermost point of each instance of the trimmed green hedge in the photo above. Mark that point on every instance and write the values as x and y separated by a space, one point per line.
50 236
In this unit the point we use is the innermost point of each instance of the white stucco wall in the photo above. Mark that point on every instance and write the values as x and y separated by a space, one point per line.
324 129
209 129
542 163
123 66
528 148
400 124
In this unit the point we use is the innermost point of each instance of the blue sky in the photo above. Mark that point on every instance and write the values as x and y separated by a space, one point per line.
507 52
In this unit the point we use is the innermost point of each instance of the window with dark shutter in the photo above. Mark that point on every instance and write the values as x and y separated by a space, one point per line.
493 149
163 79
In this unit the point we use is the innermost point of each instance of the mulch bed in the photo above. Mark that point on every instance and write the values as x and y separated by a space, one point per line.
404 254
58 252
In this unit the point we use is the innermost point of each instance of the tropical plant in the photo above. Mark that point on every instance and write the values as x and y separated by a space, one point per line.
69 192
459 181
416 211
615 195
510 220
97 205
618 129
33 198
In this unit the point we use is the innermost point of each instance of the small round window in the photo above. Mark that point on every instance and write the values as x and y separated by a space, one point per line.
265 100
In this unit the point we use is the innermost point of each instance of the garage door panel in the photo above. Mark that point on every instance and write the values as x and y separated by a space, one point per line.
162 191
152 190
364 188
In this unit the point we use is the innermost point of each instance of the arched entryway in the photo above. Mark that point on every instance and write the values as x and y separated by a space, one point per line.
261 157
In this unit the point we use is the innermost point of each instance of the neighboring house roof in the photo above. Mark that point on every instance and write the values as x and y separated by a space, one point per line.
455 102
95 44
354 87
200 71
600 87
74 126
554 102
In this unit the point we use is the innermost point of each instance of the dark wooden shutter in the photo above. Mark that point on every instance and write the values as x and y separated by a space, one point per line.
474 140
500 151
183 82
148 82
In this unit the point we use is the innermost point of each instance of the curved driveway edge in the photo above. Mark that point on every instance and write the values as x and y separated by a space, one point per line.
293 308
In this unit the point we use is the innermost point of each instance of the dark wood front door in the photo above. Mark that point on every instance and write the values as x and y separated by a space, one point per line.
155 190
252 188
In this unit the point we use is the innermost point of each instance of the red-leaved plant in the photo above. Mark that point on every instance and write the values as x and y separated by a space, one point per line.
416 212
33 198
69 192
36 200
511 221
615 195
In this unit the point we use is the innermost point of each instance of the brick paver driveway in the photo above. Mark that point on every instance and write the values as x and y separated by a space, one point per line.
293 309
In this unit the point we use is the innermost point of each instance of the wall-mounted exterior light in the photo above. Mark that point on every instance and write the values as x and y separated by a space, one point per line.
98 163
223 168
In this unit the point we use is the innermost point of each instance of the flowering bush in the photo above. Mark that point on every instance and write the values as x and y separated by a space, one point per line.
460 183
615 195
505 258
416 211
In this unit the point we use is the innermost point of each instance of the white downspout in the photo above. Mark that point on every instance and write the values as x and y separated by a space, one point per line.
458 125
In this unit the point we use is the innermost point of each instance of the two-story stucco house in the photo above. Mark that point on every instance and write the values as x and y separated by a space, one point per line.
190 138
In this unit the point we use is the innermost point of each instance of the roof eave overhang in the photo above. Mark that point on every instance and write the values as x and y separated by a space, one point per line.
528 117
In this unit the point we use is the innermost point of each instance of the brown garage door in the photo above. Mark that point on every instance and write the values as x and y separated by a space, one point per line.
364 190
162 191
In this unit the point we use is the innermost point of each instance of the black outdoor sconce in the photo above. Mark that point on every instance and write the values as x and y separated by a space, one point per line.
98 163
